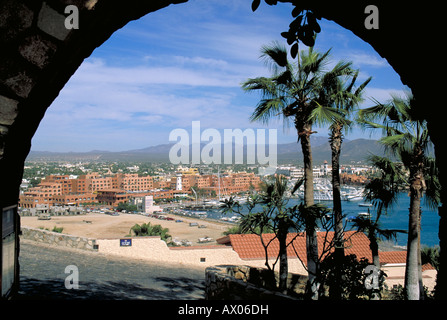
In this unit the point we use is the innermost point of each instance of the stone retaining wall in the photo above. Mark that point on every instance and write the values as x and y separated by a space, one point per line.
229 282
58 239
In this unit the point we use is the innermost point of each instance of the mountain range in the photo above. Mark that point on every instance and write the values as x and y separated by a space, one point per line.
352 151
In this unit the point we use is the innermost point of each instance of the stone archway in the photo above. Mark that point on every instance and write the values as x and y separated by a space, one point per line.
39 55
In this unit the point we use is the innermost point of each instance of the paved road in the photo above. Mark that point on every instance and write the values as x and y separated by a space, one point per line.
42 276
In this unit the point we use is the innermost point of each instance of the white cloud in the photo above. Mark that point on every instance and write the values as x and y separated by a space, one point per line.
181 64
364 59
201 62
380 94
99 73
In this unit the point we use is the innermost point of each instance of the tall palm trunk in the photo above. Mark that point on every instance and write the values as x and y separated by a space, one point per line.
307 161
374 246
335 142
421 284
283 263
412 290
311 232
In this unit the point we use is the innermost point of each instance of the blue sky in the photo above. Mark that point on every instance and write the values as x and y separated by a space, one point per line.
185 63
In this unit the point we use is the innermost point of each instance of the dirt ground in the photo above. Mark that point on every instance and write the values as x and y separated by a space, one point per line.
98 225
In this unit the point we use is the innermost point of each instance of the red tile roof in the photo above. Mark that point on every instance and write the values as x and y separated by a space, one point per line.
249 246
399 257
393 257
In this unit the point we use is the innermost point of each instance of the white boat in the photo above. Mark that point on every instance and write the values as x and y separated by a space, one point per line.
323 191
212 202
200 213
354 197
364 214
234 219
365 205
351 193
320 195
240 199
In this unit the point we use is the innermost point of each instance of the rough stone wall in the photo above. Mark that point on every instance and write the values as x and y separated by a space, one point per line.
229 282
58 239
38 56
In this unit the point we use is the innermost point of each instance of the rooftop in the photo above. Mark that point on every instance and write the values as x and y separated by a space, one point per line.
249 246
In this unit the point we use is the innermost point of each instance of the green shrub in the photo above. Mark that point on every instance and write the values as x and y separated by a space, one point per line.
146 229
58 229
353 278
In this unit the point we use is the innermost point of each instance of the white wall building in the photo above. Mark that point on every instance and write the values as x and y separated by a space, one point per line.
178 184
148 205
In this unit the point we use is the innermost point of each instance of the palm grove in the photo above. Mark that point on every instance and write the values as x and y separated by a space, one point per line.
310 94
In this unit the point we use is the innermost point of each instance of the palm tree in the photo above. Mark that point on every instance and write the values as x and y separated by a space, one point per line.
292 91
337 101
275 217
382 191
406 137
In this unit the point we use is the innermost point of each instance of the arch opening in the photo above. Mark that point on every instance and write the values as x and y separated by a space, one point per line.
38 82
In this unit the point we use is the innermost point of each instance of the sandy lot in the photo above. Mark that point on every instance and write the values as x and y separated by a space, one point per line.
98 225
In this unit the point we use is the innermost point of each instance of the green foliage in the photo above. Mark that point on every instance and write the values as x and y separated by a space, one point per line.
146 229
55 229
353 277
58 229
268 213
430 255
237 229
126 206
396 293
303 28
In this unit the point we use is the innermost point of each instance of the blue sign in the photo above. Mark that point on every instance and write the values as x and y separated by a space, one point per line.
125 242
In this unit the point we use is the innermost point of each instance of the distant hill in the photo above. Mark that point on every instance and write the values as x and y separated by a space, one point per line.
352 151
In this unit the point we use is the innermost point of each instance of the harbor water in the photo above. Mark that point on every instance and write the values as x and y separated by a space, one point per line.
396 218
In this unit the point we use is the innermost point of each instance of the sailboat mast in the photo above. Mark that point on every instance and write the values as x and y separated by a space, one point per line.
218 179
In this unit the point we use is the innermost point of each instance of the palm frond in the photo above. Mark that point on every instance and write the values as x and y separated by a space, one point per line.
313 62
322 115
433 186
383 190
297 185
275 56
267 86
267 109
362 87
389 234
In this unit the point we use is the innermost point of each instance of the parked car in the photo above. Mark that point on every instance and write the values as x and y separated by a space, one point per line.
205 239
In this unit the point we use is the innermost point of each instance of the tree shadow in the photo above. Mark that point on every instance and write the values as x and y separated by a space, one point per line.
49 289
182 284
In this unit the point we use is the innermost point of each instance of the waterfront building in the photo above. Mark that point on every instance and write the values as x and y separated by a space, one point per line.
111 190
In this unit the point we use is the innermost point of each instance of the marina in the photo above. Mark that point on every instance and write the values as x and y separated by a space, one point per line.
395 218
323 191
